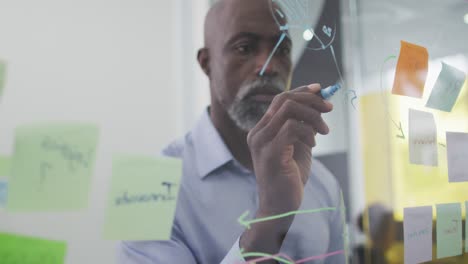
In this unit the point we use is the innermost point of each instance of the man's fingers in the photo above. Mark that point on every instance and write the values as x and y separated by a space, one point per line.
314 88
291 110
278 112
306 98
303 96
294 131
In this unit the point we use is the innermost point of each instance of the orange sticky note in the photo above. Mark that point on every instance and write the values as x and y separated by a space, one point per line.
411 70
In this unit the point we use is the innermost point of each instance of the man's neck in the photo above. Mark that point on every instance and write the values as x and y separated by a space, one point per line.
234 138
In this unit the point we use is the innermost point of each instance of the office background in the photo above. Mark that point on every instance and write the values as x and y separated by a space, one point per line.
130 67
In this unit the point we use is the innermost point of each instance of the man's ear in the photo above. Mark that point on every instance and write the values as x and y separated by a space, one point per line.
204 60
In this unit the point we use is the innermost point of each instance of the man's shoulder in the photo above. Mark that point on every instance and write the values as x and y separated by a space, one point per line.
322 173
324 180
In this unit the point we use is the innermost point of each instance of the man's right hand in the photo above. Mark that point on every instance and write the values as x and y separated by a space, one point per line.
281 148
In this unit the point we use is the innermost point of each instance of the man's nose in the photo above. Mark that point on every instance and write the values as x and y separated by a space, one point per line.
266 63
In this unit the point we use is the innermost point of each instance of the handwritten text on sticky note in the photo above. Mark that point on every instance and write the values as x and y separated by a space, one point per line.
411 70
446 89
142 198
52 167
422 138
417 228
17 249
449 230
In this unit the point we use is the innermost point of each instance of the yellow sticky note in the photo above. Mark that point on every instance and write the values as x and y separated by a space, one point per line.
52 166
142 198
15 249
411 70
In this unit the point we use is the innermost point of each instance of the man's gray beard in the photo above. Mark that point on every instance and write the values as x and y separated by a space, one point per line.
247 113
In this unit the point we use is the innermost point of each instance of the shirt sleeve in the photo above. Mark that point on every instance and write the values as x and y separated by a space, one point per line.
156 252
234 256
152 252
338 235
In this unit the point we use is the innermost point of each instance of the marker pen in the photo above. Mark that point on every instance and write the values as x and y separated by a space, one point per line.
328 92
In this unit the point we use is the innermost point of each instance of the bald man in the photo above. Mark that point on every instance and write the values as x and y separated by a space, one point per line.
250 151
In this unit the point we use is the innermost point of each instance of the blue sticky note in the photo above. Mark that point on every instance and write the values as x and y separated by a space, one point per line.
446 89
3 192
449 230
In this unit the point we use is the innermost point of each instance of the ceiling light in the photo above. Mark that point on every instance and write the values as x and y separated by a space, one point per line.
308 35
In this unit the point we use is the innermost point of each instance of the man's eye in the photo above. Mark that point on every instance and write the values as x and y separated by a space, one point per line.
244 48
285 50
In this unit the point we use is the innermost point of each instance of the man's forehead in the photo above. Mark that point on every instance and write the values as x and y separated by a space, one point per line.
253 16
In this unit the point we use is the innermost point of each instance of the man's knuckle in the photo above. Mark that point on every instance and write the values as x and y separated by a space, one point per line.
279 98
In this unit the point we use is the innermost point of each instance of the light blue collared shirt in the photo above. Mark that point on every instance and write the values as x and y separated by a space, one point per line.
215 190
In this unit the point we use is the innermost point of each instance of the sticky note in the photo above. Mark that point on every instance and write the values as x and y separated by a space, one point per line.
3 192
446 89
411 70
457 156
142 198
417 229
17 249
3 72
4 166
449 230
422 138
52 166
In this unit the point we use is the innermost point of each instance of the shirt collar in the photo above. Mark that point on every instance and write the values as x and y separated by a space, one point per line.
210 150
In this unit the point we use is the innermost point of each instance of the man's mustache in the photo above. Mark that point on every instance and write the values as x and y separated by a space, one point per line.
264 86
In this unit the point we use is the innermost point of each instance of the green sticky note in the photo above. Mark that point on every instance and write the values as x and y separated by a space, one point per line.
17 249
52 166
446 89
4 166
449 230
3 72
142 198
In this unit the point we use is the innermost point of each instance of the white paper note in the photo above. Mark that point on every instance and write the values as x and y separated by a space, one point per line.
457 156
422 138
417 228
